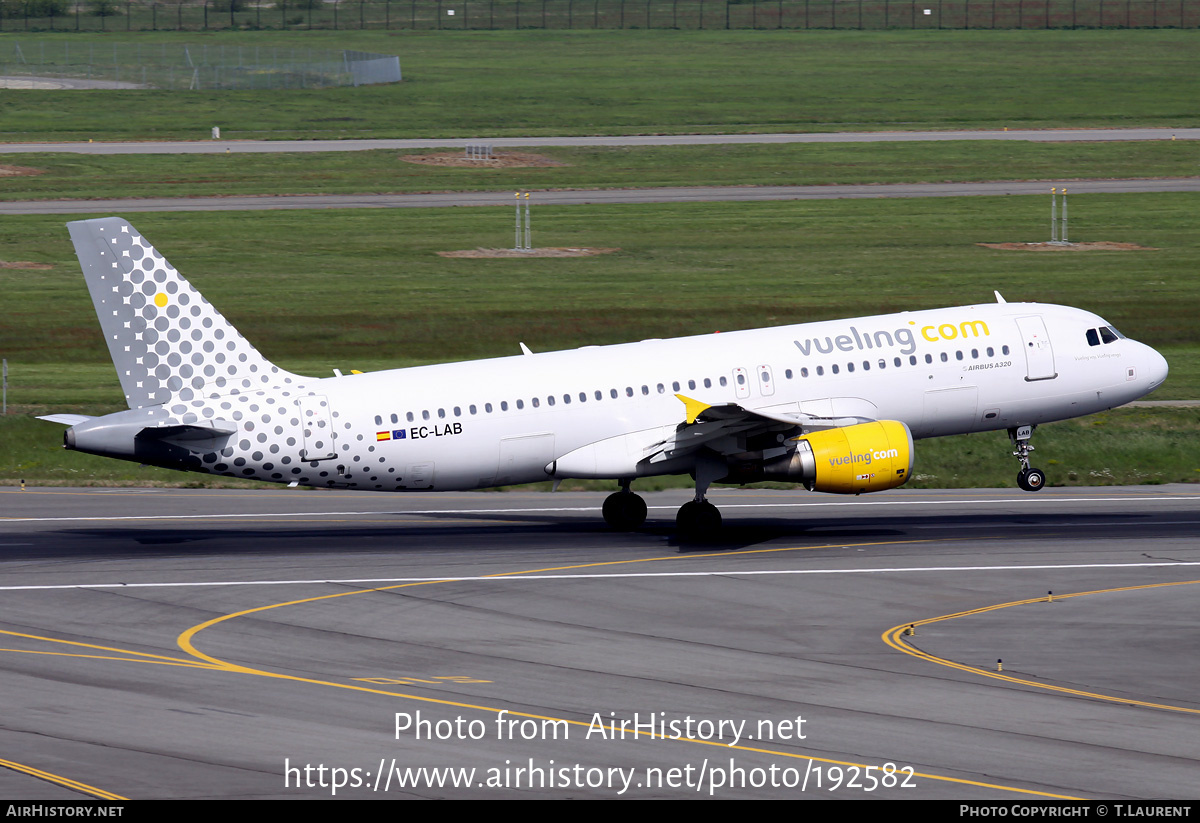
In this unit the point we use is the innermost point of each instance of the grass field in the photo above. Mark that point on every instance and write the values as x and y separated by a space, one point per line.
477 84
91 176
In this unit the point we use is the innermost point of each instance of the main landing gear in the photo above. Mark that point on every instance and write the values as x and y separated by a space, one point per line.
624 510
1029 479
699 520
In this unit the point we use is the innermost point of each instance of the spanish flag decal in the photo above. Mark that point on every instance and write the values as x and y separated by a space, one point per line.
382 436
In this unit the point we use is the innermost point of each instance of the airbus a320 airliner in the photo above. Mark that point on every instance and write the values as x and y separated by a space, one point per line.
833 405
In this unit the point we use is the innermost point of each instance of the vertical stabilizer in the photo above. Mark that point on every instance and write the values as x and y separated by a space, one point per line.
167 342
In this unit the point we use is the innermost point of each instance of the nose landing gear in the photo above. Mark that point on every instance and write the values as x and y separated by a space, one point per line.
1029 479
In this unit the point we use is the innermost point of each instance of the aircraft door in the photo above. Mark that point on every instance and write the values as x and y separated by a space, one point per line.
316 426
1039 356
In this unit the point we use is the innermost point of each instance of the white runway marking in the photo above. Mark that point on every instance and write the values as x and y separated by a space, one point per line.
517 576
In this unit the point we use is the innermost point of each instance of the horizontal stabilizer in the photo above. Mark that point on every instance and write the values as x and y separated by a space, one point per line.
65 419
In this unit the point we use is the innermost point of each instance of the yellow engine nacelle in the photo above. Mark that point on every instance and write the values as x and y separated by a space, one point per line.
868 457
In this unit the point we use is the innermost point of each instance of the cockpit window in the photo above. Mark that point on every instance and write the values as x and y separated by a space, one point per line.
1104 334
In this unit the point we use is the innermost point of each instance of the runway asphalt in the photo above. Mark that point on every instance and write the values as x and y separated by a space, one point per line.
217 643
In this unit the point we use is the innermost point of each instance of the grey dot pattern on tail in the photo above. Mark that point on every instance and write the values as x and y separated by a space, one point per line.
174 345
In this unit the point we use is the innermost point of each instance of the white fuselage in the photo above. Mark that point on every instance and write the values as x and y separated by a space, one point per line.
492 422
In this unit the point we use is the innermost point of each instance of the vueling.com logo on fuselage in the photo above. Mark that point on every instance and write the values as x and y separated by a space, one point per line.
865 458
883 339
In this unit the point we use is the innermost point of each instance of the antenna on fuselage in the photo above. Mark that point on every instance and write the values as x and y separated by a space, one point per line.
999 297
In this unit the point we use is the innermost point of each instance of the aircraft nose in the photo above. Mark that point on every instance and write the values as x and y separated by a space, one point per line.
1156 369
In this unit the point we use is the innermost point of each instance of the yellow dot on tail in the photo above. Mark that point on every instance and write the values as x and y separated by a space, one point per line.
160 299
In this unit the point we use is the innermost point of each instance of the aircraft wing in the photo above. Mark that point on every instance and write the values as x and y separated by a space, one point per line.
728 428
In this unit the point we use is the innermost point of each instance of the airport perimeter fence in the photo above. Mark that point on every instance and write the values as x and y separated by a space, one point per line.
188 15
196 67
